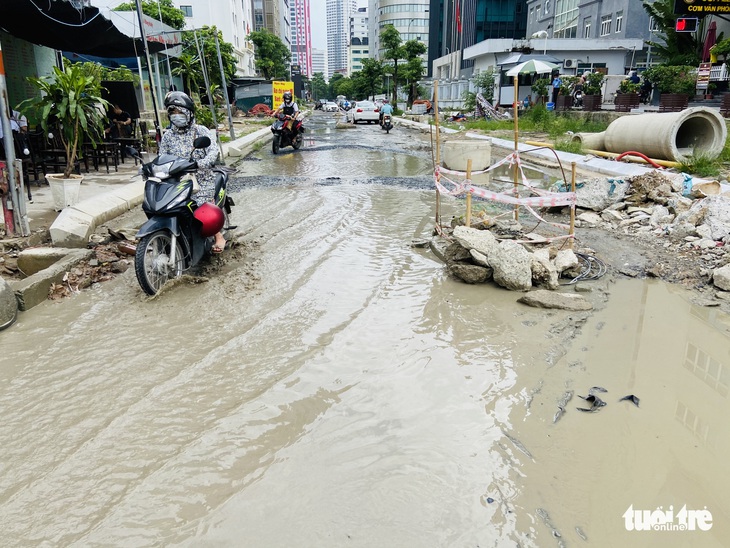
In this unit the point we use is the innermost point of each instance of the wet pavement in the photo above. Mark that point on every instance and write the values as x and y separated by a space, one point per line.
329 385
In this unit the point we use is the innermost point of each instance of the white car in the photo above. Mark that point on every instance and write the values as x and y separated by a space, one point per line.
364 111
330 107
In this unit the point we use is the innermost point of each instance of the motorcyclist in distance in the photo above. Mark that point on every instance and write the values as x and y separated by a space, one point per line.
178 141
387 108
289 108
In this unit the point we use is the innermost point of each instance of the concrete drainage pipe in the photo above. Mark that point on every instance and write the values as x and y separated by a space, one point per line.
672 136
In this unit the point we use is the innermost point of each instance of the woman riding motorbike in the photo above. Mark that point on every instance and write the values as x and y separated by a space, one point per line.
178 141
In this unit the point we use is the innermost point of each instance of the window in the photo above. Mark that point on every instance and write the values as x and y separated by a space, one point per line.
187 10
619 21
605 25
566 19
587 27
529 19
653 26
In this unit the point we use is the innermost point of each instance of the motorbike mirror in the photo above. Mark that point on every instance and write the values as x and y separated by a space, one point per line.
201 142
133 152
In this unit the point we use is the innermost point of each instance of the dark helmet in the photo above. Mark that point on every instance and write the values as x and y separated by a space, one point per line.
179 99
385 101
212 218
287 96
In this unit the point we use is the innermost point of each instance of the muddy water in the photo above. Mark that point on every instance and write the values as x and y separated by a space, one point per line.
329 385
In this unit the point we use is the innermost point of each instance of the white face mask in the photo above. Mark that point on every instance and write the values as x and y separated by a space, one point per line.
179 120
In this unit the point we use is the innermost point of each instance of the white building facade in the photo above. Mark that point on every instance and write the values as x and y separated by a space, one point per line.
235 21
358 48
410 19
338 34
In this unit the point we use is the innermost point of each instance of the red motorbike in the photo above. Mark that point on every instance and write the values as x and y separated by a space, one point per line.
287 131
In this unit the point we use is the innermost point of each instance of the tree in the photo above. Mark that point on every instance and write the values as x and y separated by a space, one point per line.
676 48
206 36
342 86
370 77
336 77
414 69
188 68
319 86
272 56
391 40
171 15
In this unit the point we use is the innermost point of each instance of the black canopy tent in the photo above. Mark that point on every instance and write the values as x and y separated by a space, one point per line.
58 24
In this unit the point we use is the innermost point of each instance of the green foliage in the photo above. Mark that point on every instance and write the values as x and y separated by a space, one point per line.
188 68
319 86
101 73
566 84
272 56
171 15
70 103
673 78
539 119
700 165
568 145
721 48
540 87
394 51
484 82
204 116
593 84
627 86
675 48
370 78
206 38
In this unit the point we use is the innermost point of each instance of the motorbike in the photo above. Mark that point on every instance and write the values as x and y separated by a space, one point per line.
645 92
178 232
284 137
386 123
578 96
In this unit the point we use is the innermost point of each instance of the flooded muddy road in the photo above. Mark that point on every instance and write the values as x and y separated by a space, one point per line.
330 385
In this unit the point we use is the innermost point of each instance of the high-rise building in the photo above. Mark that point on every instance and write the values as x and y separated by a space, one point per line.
410 19
301 36
358 48
319 62
338 35
458 24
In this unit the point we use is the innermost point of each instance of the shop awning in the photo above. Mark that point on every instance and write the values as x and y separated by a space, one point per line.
71 26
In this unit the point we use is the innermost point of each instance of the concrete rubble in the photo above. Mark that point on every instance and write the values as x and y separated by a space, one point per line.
663 208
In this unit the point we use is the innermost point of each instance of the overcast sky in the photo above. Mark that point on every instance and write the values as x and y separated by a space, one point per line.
318 25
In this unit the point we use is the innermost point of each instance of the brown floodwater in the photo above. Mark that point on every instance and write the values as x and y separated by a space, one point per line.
330 385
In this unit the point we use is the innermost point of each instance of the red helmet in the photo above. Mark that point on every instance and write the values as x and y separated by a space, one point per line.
212 218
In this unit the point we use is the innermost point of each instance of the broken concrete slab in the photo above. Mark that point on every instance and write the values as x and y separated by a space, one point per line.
33 290
543 298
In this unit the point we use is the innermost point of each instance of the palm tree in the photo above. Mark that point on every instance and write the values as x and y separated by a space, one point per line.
188 67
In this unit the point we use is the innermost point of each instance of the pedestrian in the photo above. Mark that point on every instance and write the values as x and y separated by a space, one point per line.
557 82
120 123
178 141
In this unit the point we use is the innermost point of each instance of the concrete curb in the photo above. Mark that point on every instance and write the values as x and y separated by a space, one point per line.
75 224
33 290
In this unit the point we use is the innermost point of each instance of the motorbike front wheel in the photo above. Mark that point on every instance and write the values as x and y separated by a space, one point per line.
152 261
275 144
297 142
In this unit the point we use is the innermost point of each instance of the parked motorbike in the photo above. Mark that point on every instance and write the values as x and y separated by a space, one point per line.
178 232
283 136
386 123
645 92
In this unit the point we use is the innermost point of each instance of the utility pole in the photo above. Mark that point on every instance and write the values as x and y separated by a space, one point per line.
225 87
167 57
158 131
19 218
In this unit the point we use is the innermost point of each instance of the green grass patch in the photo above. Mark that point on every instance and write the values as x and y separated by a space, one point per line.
702 166
568 145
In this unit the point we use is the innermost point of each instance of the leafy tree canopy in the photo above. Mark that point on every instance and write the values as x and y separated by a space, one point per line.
171 15
272 56
676 48
319 86
206 37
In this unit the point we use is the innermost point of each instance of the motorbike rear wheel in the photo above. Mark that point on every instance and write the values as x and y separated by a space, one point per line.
275 144
152 261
